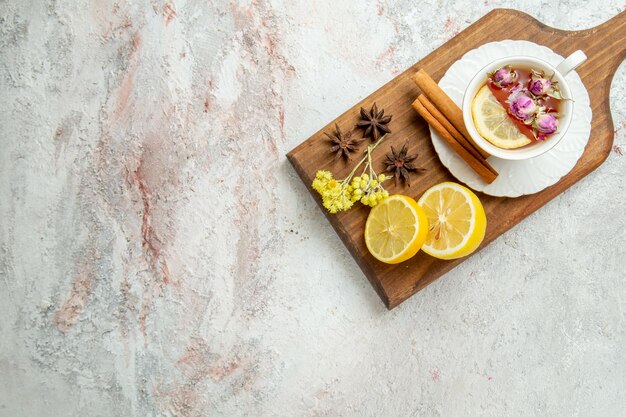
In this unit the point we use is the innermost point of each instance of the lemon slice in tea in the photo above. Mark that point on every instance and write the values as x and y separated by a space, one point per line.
493 123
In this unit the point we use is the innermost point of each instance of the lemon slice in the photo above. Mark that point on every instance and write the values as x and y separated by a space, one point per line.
396 229
456 218
493 123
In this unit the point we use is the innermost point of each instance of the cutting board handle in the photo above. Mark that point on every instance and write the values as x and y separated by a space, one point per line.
604 45
611 39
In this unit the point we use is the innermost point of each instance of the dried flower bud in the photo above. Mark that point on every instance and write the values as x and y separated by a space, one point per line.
539 86
546 123
521 106
504 77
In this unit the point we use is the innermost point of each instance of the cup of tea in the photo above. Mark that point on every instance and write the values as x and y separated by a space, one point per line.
520 107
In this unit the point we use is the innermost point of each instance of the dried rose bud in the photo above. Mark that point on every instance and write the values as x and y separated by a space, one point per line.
521 106
546 123
539 86
504 77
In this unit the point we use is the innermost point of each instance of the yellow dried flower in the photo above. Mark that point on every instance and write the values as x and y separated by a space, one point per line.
335 194
339 195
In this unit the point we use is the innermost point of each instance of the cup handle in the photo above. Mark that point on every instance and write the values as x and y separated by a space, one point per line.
571 62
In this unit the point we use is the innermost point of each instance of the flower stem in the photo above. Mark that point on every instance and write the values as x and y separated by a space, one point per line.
367 158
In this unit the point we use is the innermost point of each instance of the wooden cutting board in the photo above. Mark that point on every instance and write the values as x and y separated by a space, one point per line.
605 46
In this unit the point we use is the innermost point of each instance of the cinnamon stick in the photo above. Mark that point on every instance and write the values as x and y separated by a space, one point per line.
470 159
446 106
453 131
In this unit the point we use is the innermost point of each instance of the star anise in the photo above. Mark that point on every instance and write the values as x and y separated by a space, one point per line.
343 143
375 122
402 164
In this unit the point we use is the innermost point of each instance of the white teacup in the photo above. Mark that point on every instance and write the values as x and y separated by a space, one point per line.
566 112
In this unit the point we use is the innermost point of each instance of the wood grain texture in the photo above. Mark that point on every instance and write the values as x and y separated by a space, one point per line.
605 47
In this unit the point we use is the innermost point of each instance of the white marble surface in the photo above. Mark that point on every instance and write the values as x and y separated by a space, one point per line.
159 256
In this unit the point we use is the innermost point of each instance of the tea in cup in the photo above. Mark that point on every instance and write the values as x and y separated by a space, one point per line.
520 107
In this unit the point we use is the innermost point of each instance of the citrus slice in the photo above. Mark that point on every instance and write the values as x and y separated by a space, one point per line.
456 218
493 123
396 229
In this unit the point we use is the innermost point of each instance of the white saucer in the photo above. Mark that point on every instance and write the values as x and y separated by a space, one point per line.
529 176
